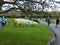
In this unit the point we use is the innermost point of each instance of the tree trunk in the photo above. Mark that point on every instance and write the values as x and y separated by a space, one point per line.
1 3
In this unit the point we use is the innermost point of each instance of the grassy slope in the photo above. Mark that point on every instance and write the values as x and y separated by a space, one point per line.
36 35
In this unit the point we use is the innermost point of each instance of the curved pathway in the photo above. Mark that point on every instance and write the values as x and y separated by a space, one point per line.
56 30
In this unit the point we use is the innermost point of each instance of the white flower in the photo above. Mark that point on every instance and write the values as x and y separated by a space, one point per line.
24 21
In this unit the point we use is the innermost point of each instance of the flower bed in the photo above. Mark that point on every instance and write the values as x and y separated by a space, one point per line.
24 22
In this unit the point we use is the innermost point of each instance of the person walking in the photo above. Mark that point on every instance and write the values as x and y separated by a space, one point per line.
48 20
57 22
3 20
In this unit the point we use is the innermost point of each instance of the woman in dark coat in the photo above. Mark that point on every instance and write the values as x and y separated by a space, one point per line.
57 22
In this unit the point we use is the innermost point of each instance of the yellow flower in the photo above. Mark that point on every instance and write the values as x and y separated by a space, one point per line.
17 25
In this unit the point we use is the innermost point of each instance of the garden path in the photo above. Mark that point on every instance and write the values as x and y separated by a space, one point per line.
56 30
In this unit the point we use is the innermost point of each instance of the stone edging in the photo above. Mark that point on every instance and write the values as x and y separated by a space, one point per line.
53 39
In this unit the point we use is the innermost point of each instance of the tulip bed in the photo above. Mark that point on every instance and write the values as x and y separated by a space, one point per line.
24 35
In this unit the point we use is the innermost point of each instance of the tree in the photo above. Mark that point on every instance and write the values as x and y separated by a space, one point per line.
27 5
1 3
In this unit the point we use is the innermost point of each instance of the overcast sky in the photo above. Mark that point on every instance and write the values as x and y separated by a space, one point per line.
57 0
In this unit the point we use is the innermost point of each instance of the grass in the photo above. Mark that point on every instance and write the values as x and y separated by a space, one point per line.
33 35
53 20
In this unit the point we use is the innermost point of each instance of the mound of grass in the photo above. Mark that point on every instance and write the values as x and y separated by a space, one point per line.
33 35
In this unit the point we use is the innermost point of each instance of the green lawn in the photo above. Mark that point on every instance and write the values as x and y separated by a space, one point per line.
33 35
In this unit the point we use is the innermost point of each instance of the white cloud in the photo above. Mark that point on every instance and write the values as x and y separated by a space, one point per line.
9 0
7 6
